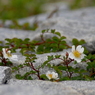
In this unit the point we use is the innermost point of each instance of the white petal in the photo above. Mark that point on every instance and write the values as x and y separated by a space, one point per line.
78 60
9 51
82 56
80 49
4 53
13 58
5 56
71 56
3 49
55 75
73 48
47 74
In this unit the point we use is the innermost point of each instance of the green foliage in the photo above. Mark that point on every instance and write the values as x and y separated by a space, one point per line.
77 42
43 77
25 26
82 3
64 69
15 9
54 44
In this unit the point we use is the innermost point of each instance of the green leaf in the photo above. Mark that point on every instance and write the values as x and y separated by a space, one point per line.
43 31
52 30
57 56
56 39
57 33
18 76
62 68
75 41
43 77
44 64
50 58
63 37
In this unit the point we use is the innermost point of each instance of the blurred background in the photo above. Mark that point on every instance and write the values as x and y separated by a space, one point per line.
15 9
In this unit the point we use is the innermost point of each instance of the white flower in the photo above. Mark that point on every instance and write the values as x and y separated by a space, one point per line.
7 54
77 54
52 75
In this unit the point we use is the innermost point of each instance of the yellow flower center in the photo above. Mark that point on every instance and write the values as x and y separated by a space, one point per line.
77 54
9 54
50 75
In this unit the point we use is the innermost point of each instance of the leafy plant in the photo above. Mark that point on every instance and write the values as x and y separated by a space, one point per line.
65 70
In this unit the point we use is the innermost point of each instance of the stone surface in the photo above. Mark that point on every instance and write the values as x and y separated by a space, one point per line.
72 24
78 24
70 28
12 33
37 87
20 90
5 74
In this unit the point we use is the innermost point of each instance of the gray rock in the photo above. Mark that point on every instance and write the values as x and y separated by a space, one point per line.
86 87
72 24
21 87
78 24
70 28
13 33
5 74
88 91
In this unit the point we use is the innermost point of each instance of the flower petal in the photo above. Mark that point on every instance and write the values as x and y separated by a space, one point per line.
80 49
71 55
78 60
4 53
47 74
13 58
82 56
73 48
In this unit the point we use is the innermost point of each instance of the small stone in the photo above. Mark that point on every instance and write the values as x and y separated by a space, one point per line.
5 74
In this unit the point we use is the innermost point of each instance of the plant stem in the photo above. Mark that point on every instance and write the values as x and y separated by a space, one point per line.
38 72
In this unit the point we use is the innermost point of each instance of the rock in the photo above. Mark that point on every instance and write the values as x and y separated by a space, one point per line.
70 28
73 24
78 24
21 87
90 47
37 87
88 91
86 87
13 33
5 74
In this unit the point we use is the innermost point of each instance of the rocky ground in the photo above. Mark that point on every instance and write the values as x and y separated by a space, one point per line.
78 24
